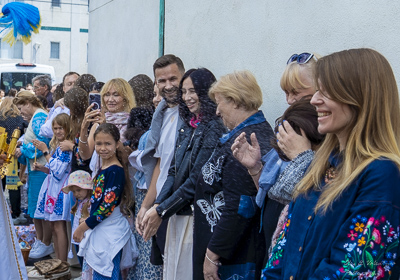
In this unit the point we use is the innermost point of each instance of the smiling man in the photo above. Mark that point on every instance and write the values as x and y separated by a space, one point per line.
160 146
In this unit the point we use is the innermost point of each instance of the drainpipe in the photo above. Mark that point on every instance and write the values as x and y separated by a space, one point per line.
161 29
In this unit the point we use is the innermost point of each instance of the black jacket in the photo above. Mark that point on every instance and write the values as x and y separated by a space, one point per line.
193 148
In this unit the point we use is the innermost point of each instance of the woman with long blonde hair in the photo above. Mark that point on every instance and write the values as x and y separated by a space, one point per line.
344 221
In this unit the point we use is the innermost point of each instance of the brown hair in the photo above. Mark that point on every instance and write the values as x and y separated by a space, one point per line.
25 96
166 60
363 80
77 101
301 115
143 88
85 207
127 198
62 120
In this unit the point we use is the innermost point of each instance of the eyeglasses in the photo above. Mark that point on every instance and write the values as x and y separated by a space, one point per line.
300 58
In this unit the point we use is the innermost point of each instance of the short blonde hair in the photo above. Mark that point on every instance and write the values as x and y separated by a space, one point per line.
241 87
291 76
124 89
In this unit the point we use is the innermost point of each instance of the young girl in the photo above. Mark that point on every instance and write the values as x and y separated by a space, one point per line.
106 232
53 205
81 185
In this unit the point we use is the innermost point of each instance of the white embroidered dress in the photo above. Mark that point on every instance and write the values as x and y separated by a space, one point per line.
53 204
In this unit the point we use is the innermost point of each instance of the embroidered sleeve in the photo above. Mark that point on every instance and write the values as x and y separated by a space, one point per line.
273 267
106 195
28 150
60 163
367 248
367 244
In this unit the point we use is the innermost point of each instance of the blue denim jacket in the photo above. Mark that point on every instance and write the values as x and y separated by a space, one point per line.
358 238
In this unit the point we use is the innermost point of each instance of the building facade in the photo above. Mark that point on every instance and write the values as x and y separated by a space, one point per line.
62 41
229 35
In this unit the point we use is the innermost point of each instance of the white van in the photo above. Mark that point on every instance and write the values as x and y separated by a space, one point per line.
20 74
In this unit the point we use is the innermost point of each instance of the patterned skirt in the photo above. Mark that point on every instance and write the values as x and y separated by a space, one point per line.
143 270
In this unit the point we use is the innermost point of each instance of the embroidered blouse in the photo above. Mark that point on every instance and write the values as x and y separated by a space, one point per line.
107 191
358 238
27 149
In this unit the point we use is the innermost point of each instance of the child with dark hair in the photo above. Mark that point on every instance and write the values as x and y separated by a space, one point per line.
106 232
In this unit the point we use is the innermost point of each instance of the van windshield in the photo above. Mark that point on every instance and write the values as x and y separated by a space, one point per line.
16 80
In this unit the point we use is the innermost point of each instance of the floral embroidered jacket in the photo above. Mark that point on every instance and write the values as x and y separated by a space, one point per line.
357 239
107 190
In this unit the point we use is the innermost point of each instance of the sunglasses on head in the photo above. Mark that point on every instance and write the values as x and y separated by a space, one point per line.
300 58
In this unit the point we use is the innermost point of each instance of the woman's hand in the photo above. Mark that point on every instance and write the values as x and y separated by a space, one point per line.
37 166
40 145
290 142
67 145
17 153
139 219
249 155
151 222
90 116
59 103
210 270
80 232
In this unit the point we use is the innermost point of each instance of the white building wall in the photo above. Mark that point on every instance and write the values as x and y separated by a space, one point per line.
229 35
67 25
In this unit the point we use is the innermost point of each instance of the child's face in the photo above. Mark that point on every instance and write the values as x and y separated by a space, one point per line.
79 193
59 132
105 145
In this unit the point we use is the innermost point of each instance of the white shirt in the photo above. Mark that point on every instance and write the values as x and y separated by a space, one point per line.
166 147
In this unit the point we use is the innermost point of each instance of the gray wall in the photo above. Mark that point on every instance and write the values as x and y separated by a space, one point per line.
228 35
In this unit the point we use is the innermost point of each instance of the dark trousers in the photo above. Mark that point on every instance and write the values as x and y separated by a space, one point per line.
158 244
15 199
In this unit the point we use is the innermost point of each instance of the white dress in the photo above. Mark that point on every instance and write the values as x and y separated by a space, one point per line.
12 264
53 204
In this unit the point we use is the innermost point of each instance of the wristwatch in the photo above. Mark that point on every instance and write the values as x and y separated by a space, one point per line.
45 153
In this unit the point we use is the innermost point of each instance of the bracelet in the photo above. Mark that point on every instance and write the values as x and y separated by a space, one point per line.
252 175
83 142
214 263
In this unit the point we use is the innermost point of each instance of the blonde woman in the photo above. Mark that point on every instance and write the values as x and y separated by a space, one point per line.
33 112
344 221
117 100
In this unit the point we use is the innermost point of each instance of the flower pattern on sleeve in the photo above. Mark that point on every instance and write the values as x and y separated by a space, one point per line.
107 198
370 250
277 252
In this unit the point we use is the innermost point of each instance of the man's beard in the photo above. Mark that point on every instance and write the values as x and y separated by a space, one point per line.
171 99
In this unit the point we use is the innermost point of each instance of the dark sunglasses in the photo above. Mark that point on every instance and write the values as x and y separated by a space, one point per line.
300 58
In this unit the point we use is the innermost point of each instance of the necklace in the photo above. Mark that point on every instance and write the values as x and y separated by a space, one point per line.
330 174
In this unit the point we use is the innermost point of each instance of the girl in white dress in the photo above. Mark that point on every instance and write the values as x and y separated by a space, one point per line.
53 204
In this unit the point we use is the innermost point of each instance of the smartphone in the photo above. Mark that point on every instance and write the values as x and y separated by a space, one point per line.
95 98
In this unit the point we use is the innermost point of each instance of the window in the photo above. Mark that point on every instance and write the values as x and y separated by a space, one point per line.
55 50
8 52
56 3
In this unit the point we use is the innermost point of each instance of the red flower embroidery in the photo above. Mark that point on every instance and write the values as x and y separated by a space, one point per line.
391 232
98 192
352 235
376 236
109 197
380 272
275 263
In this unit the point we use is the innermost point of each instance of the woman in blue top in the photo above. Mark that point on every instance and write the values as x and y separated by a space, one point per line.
344 222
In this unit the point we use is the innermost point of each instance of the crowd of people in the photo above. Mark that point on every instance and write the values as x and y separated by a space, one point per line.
184 178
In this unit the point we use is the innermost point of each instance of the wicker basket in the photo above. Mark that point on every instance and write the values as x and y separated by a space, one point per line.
25 252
